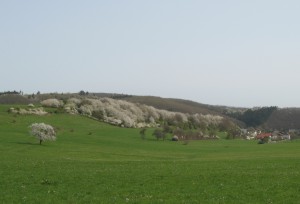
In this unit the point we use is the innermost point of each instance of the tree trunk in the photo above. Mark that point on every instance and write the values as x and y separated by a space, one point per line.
41 142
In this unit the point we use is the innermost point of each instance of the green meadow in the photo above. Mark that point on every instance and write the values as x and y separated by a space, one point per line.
93 162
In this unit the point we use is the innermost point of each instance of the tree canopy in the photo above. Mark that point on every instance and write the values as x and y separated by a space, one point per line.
42 132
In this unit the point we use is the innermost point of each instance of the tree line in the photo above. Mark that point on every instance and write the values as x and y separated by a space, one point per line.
11 93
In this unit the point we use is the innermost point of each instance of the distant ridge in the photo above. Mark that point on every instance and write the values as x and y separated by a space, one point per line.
170 104
14 99
286 118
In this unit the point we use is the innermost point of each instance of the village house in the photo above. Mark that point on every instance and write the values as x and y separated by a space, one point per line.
264 137
277 135
249 134
274 136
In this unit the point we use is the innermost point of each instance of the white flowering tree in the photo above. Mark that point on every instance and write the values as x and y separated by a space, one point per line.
52 102
42 132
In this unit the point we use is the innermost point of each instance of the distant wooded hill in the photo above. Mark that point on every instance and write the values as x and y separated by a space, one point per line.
286 118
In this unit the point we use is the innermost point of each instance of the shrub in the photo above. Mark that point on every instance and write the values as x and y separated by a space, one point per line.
30 105
52 102
30 111
98 114
74 101
159 134
85 110
175 138
143 133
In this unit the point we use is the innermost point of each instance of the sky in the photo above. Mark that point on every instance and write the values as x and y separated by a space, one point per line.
234 53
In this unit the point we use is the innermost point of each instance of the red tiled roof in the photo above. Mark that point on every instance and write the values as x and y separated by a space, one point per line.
263 135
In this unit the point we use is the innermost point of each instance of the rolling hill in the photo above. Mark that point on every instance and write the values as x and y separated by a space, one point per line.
281 119
93 162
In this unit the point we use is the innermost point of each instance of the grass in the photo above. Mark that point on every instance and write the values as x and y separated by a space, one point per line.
92 162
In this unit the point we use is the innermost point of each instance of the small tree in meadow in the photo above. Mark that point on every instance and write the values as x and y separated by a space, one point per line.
159 134
143 133
42 132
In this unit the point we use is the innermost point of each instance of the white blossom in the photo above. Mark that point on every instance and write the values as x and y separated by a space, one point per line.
30 111
76 101
30 105
42 132
52 102
127 114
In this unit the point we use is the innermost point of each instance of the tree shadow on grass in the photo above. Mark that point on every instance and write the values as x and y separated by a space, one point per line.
27 143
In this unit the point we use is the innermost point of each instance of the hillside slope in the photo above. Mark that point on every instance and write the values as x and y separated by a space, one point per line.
14 99
177 105
286 118
170 104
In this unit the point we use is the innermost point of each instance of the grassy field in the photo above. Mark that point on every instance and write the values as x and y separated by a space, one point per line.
92 162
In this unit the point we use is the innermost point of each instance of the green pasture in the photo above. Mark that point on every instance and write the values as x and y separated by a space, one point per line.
92 162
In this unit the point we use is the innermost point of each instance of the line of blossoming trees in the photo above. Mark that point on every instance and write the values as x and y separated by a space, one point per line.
132 115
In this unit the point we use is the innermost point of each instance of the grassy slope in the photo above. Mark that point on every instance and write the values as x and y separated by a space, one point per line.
177 105
113 165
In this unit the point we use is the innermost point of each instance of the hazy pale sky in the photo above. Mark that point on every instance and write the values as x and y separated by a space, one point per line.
221 52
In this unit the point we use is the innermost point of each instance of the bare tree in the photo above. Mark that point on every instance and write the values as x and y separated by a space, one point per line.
159 134
143 133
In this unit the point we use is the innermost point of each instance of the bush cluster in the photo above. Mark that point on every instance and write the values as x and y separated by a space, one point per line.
28 111
52 102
